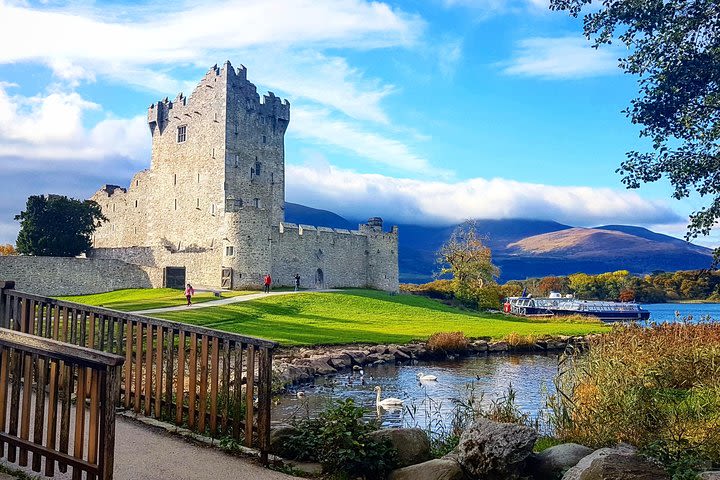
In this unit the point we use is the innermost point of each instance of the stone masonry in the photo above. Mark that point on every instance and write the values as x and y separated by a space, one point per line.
212 201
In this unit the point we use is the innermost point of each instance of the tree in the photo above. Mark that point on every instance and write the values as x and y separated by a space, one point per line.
7 249
468 260
57 226
674 48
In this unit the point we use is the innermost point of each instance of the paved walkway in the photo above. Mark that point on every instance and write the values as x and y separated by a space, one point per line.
226 301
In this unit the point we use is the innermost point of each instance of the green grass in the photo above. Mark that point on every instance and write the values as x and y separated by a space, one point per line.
363 316
145 298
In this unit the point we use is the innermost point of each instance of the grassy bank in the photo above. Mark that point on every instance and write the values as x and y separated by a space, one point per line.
145 298
364 316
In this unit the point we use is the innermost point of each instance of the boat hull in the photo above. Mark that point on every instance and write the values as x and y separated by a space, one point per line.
604 316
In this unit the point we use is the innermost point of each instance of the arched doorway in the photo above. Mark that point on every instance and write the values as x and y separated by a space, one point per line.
319 279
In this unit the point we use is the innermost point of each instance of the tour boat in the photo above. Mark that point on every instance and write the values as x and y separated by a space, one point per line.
557 305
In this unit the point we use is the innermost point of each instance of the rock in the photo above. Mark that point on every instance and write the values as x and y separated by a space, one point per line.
615 463
293 374
438 469
378 349
356 356
412 444
495 451
340 361
310 469
715 475
279 441
320 366
498 347
479 346
399 354
550 464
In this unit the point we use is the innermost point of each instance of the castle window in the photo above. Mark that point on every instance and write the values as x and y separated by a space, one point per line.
212 209
137 182
272 178
213 152
257 169
175 202
182 133
237 159
135 203
264 139
257 202
174 178
229 251
113 207
197 203
198 178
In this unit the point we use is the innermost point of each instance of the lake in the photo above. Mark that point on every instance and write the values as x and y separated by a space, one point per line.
666 312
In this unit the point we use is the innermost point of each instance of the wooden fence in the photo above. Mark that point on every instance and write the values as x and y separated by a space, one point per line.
212 382
38 380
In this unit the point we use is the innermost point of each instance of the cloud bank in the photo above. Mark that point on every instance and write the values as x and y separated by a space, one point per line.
427 202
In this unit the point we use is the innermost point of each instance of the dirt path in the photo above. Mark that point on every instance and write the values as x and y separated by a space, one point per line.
226 301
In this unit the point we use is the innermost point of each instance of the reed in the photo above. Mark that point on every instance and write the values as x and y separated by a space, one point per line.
648 386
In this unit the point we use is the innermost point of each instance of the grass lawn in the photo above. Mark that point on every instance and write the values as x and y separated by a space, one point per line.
145 298
363 316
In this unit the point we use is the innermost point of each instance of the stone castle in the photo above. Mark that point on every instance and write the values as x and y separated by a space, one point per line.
210 209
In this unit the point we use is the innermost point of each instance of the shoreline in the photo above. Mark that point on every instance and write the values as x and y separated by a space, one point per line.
297 365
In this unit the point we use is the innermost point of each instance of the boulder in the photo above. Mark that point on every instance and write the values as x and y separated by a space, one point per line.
495 451
356 356
399 354
279 441
498 347
550 464
616 463
321 366
412 444
437 469
340 361
715 475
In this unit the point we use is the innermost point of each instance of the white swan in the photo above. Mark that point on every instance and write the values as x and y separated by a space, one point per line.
388 402
300 394
426 378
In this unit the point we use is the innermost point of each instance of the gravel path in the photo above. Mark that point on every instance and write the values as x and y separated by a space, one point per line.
225 301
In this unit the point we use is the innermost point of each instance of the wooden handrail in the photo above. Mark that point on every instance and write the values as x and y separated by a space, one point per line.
39 378
247 339
50 348
212 382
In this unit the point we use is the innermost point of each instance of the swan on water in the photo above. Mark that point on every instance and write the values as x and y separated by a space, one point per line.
426 378
388 402
300 394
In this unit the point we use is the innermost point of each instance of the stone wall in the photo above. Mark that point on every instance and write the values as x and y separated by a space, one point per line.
53 276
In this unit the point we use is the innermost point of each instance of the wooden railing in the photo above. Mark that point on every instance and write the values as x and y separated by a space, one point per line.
38 380
209 381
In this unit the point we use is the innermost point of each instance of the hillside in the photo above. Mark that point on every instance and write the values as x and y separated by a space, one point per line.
525 248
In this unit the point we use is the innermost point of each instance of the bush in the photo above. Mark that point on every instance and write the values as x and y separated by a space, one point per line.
516 340
644 386
440 289
447 342
340 441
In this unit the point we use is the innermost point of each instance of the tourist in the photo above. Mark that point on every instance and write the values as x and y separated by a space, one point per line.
297 282
268 281
189 292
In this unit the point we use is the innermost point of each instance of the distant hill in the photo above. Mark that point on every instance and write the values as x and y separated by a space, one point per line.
525 248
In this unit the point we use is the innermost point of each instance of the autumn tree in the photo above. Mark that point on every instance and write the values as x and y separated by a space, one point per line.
57 226
674 49
7 249
468 260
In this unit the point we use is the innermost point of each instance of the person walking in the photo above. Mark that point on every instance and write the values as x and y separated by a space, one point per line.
297 282
189 292
268 282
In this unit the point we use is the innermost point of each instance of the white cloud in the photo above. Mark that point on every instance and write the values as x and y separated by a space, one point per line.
50 127
357 195
561 57
488 8
318 126
449 56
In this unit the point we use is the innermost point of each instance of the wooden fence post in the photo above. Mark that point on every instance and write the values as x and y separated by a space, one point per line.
4 305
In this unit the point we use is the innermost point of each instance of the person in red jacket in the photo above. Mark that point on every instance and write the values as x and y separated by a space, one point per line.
268 282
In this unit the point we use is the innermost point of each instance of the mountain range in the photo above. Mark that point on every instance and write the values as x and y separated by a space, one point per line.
524 248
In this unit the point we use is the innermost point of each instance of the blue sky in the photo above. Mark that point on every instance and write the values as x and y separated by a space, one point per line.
423 112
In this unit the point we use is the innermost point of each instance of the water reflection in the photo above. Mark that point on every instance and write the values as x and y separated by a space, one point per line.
425 402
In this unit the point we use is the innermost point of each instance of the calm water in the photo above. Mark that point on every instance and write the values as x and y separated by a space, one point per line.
665 312
490 376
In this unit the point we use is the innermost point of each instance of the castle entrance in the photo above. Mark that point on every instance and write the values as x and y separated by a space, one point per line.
174 277
226 278
319 278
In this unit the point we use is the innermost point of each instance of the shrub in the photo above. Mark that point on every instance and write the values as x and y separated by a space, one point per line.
340 441
441 289
448 342
516 340
489 297
644 386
